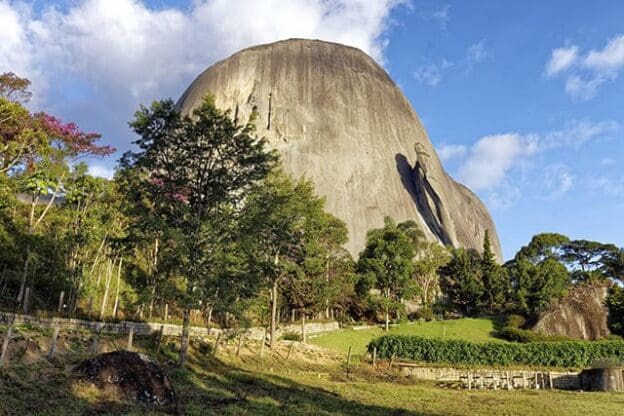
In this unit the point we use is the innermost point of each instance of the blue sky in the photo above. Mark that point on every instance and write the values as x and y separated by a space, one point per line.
523 100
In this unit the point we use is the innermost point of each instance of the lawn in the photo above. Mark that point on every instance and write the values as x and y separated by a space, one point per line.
469 329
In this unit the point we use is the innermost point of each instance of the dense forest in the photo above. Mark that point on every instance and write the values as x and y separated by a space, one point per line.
201 225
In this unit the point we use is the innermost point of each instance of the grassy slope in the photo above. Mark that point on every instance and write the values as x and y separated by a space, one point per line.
312 382
478 330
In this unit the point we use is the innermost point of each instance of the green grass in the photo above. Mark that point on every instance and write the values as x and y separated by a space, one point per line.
469 329
237 387
311 382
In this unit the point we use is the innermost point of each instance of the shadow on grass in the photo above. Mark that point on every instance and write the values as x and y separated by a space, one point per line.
208 387
227 390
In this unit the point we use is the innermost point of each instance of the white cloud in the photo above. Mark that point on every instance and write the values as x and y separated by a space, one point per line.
124 52
557 181
447 152
611 57
428 74
587 72
610 186
584 89
577 133
561 59
476 52
491 157
443 16
503 197
101 171
486 165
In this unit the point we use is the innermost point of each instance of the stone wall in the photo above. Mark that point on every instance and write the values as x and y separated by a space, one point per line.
146 328
495 378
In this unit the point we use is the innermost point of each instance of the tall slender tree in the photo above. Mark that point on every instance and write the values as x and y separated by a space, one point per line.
198 168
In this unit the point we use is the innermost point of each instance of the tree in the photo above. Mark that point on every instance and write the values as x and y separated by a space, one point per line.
588 258
198 168
14 88
386 264
37 151
495 281
615 305
292 239
461 280
430 257
537 274
613 264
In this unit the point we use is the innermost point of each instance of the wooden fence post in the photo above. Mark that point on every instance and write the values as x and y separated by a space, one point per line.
160 335
5 344
292 344
469 381
57 328
61 298
550 380
348 358
214 350
536 382
94 346
130 337
266 330
238 347
26 298
166 311
374 356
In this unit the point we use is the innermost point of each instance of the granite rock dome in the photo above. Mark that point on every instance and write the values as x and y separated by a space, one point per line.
337 117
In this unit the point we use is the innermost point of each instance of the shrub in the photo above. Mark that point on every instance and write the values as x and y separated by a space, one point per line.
514 334
555 354
515 321
292 336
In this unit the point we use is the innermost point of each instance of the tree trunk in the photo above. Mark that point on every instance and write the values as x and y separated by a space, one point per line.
387 324
303 332
184 341
273 313
109 276
116 308
20 294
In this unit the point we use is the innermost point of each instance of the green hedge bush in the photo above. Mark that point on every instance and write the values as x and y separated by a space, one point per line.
524 335
553 354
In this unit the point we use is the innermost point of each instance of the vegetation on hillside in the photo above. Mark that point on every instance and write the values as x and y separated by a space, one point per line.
200 223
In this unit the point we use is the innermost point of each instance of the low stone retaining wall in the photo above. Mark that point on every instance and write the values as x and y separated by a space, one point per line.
146 328
495 379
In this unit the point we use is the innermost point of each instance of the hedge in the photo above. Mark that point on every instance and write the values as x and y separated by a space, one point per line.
553 354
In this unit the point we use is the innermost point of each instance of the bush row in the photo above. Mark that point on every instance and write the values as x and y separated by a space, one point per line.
524 335
555 354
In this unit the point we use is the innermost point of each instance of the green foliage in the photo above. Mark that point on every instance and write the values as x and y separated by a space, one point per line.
495 280
292 336
553 354
386 264
515 321
536 286
515 334
615 305
461 280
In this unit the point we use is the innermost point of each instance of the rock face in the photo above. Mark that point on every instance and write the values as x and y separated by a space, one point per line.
582 314
336 117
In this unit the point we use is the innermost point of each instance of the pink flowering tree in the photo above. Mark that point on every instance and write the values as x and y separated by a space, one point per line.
36 153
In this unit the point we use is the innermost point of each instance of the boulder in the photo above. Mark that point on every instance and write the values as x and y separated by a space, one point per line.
581 314
133 376
337 117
